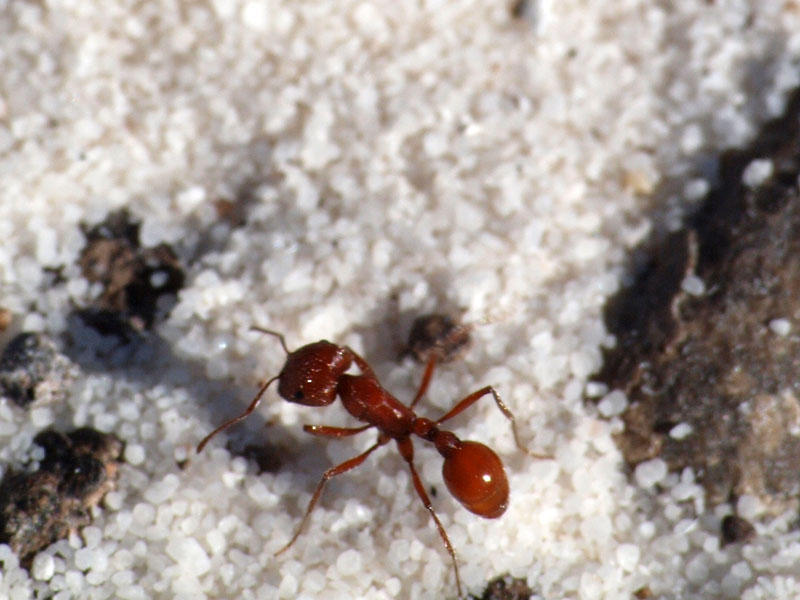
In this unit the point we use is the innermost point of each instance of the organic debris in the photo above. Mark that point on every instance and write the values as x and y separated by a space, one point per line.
39 508
32 369
139 285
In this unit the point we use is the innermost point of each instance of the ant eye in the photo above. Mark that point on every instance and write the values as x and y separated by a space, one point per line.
299 395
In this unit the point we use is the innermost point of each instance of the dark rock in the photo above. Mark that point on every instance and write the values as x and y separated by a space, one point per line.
711 359
232 212
32 369
736 529
39 508
437 335
507 588
140 285
519 8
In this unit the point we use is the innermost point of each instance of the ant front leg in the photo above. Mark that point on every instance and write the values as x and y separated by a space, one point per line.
329 474
234 420
406 449
362 364
334 432
471 399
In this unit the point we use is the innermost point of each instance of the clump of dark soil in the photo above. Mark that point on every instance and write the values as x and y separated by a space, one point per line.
139 285
39 508
723 356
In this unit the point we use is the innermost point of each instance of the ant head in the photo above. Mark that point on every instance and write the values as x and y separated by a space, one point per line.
474 474
311 373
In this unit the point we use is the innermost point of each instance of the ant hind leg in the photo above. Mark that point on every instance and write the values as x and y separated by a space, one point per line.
406 448
472 398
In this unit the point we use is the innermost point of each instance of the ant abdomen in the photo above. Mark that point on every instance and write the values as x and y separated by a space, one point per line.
311 373
474 474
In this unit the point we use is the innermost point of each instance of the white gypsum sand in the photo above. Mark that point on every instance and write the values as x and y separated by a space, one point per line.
398 157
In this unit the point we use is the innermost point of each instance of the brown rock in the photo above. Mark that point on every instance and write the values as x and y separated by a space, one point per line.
437 335
134 279
711 359
39 508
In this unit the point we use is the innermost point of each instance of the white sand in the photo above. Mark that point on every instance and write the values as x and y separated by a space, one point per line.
403 157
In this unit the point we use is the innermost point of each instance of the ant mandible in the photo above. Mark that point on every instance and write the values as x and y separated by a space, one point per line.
315 375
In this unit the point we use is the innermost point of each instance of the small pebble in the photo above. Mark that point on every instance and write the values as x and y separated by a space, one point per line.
780 327
613 404
628 556
43 567
736 529
349 562
134 454
650 472
693 285
757 172
680 431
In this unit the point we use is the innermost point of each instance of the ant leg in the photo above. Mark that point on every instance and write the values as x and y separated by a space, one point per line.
271 332
362 364
334 432
423 386
406 448
426 380
465 403
235 420
330 473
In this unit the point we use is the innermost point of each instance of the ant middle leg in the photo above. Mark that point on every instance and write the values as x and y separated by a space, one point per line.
472 398
329 474
406 449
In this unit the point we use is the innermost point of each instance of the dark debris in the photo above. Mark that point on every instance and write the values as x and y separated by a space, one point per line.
33 369
437 335
39 508
519 8
232 212
643 593
139 284
712 360
736 529
506 588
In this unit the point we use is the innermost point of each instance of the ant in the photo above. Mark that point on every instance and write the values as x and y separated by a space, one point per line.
315 375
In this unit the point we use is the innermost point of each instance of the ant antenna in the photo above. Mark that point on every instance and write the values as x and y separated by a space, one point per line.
255 401
497 315
271 332
235 420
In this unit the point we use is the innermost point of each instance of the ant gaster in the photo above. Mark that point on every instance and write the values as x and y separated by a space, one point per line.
315 375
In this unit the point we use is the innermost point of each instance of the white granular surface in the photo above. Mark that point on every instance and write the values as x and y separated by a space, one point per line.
397 158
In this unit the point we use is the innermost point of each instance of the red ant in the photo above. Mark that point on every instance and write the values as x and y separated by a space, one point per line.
314 375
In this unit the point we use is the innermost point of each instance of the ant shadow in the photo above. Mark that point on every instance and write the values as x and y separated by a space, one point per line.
148 362
106 342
